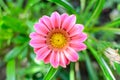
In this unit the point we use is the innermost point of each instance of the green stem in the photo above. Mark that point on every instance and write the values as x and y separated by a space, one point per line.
50 73
72 76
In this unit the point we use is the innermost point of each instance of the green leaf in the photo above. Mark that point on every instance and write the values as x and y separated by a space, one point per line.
113 30
14 52
30 70
50 73
6 34
64 4
88 7
82 4
117 67
10 70
20 3
96 12
4 6
1 12
30 26
15 24
20 39
23 53
31 3
113 23
106 70
91 71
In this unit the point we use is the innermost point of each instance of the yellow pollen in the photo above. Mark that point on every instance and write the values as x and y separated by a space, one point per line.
58 40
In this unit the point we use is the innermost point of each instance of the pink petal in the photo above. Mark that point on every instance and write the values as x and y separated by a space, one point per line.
63 17
47 59
55 58
68 62
56 20
71 54
63 60
37 36
77 29
37 43
69 22
41 28
79 38
79 46
47 21
37 50
42 53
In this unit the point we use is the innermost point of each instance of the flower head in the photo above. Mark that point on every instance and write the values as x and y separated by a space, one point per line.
57 39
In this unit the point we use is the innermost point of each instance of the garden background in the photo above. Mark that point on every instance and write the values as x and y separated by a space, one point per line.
101 19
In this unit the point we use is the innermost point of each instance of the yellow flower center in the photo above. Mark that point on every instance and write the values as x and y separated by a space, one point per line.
58 40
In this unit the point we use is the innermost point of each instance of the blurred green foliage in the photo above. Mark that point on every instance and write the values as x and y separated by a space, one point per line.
17 18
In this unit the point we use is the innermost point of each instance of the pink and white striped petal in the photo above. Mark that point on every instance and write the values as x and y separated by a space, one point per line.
63 17
41 29
76 30
71 54
37 36
43 53
56 20
63 60
69 22
55 59
47 21
78 38
37 43
47 59
78 47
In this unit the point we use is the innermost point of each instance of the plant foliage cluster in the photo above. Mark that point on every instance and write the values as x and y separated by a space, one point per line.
101 19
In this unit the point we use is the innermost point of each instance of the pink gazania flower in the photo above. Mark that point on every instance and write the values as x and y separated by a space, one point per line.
57 39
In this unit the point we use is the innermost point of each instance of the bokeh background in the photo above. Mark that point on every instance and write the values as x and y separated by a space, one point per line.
101 19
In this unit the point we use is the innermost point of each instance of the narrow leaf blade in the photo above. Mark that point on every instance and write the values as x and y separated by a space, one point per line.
64 4
10 70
